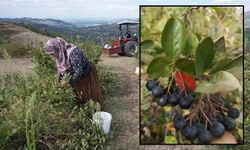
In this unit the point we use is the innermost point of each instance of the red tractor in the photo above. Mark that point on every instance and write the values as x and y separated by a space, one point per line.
127 44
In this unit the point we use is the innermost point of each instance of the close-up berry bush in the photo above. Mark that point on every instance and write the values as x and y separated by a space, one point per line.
191 83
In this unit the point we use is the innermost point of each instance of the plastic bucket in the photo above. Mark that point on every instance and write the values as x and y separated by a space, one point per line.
137 70
103 119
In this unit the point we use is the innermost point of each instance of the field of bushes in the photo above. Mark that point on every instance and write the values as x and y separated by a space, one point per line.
37 114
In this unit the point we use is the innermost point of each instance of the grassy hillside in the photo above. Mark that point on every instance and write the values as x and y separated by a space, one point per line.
17 40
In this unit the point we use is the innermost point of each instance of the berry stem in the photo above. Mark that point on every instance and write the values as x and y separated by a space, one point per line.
183 84
180 137
217 104
206 124
213 110
195 112
215 101
157 81
201 109
170 84
222 107
190 121
173 109
198 119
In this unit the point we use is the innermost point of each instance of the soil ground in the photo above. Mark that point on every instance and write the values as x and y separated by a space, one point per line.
17 65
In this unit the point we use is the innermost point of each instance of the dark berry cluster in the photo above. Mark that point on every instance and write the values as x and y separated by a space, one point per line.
173 98
198 129
207 119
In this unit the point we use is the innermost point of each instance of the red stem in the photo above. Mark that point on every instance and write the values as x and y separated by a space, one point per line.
183 84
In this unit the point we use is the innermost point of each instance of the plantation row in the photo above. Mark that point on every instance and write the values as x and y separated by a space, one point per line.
37 114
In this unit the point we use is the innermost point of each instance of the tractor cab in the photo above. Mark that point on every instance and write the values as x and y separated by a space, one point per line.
127 43
127 34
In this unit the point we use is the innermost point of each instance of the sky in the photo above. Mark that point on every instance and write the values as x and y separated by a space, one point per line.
95 9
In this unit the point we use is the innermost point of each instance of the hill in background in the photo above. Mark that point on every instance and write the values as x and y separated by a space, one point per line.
86 30
17 41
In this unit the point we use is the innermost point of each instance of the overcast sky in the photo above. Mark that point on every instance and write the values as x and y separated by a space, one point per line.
99 9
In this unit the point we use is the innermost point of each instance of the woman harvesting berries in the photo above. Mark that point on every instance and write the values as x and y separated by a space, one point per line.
70 60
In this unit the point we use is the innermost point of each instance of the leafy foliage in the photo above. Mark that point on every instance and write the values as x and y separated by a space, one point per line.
107 79
220 82
14 49
203 58
37 114
159 67
173 37
92 51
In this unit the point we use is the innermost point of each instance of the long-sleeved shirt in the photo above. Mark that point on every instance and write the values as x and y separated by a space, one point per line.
79 65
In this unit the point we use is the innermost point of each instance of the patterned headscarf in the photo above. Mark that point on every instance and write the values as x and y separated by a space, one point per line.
63 49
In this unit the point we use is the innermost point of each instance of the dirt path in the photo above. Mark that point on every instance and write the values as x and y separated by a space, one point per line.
17 65
124 104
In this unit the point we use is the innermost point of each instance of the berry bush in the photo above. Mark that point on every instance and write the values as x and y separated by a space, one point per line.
35 113
191 82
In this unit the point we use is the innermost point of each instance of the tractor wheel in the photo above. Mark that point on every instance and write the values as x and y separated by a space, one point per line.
131 48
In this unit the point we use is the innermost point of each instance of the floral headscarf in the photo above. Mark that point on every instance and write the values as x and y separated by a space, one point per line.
63 48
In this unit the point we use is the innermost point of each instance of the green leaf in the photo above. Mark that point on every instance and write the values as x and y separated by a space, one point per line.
221 82
198 36
220 45
170 140
159 67
5 131
147 44
219 48
185 64
226 64
240 132
204 56
145 106
173 38
238 61
191 44
158 50
219 66
146 58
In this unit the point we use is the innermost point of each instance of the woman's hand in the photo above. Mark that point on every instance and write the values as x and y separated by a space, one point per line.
64 83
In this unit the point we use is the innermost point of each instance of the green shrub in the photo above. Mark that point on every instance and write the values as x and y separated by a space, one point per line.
88 135
173 46
14 49
37 114
108 79
92 51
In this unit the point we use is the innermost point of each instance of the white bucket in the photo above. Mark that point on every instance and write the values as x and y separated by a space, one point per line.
137 70
103 119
